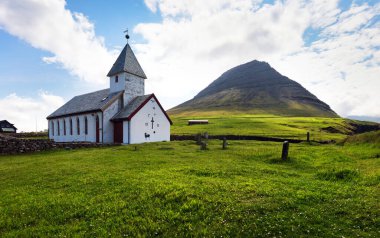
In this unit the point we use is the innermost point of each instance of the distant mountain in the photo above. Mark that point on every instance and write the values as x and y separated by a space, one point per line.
255 87
365 118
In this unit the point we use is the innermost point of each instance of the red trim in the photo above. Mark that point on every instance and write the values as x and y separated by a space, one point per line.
143 104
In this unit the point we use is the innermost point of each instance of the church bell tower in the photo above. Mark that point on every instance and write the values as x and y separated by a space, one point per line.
126 74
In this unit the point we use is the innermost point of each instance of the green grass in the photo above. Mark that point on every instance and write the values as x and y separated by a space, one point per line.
174 189
265 125
372 138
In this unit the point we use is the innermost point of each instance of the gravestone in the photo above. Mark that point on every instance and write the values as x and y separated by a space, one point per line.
285 150
224 145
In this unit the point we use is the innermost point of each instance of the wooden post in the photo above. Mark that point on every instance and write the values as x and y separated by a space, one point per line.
224 146
308 136
285 150
203 145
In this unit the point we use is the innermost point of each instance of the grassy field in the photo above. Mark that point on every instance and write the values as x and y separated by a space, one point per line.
265 125
174 189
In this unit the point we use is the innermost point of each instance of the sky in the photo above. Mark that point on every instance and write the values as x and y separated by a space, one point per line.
53 50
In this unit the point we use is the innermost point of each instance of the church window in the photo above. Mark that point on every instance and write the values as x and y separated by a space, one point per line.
64 127
116 78
52 128
85 126
58 127
78 126
71 126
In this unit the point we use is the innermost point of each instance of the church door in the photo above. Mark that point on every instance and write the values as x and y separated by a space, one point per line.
118 132
97 129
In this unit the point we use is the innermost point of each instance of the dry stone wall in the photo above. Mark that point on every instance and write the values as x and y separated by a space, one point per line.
11 145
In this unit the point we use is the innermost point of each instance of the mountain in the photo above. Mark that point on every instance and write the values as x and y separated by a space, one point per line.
365 118
257 88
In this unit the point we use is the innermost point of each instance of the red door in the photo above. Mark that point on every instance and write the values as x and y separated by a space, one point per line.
97 129
118 132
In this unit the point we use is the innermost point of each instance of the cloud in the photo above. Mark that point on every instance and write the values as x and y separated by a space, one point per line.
197 41
69 37
27 113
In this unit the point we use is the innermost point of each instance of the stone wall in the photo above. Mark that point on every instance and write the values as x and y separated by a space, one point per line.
28 134
10 145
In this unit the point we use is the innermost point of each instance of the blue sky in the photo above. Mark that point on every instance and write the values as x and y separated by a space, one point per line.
331 47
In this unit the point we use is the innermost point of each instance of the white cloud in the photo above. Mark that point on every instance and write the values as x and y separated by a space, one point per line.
70 37
25 112
198 40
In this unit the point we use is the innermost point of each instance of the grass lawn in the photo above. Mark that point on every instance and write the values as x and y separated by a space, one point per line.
174 189
264 125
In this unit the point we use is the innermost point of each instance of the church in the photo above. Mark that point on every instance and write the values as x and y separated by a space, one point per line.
120 114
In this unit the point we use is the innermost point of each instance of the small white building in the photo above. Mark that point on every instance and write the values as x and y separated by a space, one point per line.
120 114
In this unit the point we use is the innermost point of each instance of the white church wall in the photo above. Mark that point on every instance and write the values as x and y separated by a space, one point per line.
141 124
82 136
134 86
107 124
119 85
125 132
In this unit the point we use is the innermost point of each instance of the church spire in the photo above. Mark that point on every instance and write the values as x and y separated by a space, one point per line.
127 62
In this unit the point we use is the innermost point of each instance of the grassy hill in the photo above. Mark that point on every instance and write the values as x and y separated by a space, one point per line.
255 88
174 189
227 123
371 138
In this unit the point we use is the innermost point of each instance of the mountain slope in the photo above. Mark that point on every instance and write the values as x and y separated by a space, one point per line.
255 87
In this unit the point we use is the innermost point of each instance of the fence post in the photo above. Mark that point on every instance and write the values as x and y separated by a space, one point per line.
285 150
308 136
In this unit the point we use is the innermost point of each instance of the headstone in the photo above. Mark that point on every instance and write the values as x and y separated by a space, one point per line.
285 150
203 145
198 138
224 146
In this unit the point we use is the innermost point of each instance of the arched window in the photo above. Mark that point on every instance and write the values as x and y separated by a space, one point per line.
59 133
97 128
71 126
64 126
85 126
78 126
52 128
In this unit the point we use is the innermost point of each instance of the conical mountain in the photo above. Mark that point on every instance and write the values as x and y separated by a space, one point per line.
255 87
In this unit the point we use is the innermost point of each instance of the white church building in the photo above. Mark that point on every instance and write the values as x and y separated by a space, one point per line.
120 114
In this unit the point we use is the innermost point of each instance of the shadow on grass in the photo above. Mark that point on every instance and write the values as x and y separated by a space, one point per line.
338 175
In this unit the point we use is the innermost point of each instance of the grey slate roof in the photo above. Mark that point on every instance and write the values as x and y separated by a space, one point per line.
127 62
128 110
86 103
